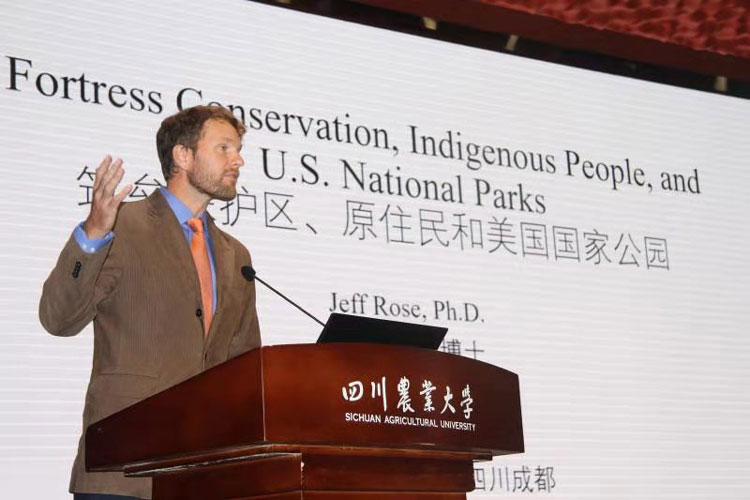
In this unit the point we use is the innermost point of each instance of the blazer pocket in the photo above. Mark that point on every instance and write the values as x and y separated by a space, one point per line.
130 385
239 344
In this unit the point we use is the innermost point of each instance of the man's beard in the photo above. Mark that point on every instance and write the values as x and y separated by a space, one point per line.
214 188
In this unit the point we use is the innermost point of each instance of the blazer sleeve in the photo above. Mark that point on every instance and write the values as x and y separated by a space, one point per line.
73 288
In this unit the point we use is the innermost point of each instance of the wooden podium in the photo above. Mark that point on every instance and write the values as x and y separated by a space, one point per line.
318 421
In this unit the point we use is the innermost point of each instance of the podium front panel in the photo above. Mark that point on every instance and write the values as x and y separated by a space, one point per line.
367 394
324 395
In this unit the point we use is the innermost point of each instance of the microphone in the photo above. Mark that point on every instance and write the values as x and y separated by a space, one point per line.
249 274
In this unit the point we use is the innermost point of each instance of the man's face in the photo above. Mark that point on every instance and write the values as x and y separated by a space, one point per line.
217 161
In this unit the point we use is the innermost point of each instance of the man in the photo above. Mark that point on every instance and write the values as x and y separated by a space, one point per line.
161 282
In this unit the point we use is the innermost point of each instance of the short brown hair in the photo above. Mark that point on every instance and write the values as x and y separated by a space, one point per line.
185 128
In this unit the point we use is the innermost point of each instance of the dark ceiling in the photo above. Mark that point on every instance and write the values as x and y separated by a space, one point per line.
700 44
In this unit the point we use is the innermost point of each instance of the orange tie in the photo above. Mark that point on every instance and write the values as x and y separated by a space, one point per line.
200 256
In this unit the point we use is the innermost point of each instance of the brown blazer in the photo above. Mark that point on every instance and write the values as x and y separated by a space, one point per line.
143 294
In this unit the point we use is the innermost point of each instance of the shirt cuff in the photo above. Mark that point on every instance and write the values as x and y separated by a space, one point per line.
91 246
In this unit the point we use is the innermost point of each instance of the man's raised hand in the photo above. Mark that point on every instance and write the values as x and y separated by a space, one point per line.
105 203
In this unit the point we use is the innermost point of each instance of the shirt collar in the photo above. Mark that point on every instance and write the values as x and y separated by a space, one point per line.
180 210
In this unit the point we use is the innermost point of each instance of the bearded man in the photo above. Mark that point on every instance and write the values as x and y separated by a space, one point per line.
160 281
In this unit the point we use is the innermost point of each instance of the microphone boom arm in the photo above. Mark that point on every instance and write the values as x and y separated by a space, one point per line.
250 274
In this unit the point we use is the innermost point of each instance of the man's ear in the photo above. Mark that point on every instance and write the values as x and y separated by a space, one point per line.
182 157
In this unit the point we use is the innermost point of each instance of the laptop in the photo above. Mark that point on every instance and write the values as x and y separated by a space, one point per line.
351 328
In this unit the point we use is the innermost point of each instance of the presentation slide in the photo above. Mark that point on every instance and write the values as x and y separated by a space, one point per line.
585 231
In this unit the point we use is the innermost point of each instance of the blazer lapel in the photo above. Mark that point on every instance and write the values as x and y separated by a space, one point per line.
225 277
171 242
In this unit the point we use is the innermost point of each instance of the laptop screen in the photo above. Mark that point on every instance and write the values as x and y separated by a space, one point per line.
350 328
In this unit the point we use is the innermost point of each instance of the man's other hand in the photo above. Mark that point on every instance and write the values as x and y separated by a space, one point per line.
105 203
